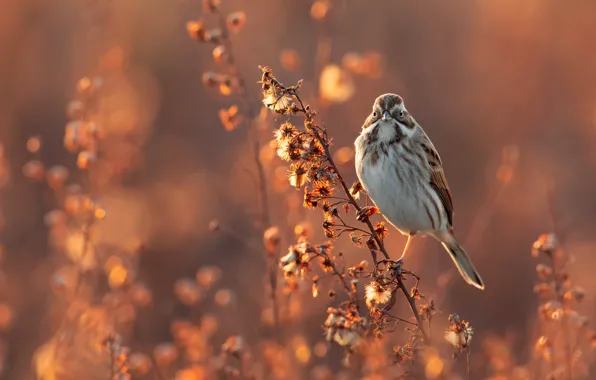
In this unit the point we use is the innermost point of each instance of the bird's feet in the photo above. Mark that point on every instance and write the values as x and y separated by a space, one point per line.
366 212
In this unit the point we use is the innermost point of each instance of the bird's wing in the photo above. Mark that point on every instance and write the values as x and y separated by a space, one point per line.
438 181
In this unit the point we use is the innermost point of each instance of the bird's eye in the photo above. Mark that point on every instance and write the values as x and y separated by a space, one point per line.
401 114
375 114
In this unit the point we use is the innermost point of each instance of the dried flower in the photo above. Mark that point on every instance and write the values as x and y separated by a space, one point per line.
459 333
34 144
576 294
271 238
546 243
297 175
543 271
376 294
220 54
233 345
230 118
196 30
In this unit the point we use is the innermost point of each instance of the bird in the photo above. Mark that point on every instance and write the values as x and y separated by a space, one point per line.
402 173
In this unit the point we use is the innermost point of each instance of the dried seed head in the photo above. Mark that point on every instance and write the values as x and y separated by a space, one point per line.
271 239
297 175
196 30
211 6
85 159
220 54
543 271
235 21
34 144
230 118
214 36
546 244
233 345
576 294
376 294
213 226
211 79
459 333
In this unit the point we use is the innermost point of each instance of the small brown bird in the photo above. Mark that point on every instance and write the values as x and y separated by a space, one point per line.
402 173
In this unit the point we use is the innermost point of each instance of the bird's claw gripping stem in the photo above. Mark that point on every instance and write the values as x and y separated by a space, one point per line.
366 212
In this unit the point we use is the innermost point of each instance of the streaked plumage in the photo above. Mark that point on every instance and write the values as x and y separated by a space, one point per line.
402 173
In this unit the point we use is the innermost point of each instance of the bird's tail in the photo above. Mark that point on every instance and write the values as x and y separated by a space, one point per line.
462 261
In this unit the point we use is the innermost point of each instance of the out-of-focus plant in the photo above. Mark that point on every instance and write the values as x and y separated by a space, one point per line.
563 350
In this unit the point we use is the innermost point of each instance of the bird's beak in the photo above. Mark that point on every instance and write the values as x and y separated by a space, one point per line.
386 116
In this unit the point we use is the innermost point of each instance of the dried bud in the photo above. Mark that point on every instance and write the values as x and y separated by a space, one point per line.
230 118
34 144
220 54
543 271
214 36
576 294
213 226
210 6
233 345
85 159
211 79
196 30
236 21
271 239
546 244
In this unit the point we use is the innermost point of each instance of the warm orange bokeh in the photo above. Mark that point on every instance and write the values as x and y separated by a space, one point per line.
117 192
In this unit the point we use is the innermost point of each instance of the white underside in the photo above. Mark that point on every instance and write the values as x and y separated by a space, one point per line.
399 200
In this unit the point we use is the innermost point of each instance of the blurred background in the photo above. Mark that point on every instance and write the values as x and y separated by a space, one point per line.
505 89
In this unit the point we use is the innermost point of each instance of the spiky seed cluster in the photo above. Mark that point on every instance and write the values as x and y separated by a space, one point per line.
459 333
345 327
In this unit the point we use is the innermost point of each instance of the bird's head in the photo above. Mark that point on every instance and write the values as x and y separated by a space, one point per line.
389 113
